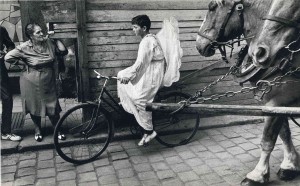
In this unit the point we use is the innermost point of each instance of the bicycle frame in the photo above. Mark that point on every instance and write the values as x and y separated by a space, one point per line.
116 107
92 123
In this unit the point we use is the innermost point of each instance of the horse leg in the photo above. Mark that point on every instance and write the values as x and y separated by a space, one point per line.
261 172
290 166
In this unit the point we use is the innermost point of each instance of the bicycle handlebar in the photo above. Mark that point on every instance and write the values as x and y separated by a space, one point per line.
99 76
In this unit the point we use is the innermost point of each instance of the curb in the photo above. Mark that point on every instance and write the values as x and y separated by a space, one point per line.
118 136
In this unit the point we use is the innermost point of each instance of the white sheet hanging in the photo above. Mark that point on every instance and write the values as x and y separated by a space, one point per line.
168 37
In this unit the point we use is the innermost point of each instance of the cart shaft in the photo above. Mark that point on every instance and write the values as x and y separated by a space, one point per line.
210 109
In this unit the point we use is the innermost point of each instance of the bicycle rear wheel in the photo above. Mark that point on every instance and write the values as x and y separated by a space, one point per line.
176 129
88 131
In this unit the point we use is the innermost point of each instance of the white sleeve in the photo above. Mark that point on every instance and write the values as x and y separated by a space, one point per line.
144 57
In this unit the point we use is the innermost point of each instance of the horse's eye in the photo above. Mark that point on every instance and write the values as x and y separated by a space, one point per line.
212 6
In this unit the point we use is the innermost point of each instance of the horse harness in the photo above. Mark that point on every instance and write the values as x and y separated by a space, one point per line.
216 43
292 47
285 66
265 86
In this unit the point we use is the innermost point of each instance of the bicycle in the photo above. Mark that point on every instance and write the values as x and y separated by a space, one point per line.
89 127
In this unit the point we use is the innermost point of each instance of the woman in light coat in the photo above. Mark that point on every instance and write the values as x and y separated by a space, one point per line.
38 81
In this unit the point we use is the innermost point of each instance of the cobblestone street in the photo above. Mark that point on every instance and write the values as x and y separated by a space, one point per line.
216 157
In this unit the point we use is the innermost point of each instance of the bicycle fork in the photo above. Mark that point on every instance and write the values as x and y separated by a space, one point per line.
90 126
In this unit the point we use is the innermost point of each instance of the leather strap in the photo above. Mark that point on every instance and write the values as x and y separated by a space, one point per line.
228 15
283 21
223 26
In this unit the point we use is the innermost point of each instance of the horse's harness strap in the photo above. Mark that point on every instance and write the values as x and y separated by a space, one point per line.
283 21
229 13
222 29
284 66
205 36
237 5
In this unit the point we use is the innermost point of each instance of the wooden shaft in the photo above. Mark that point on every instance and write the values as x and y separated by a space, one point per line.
210 109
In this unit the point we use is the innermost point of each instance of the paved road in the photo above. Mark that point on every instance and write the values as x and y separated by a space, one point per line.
216 157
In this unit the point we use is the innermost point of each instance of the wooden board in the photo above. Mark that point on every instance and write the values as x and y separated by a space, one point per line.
154 15
123 15
112 45
146 5
119 26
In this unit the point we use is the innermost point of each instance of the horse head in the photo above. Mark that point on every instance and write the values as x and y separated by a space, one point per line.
223 22
280 28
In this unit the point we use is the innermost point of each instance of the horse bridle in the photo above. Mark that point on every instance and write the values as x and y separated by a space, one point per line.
283 21
288 23
237 5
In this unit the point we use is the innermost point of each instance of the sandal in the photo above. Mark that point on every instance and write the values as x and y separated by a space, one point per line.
150 137
142 142
38 137
61 136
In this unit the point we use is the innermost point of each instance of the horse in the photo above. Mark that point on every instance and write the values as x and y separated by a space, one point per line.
280 28
226 20
276 46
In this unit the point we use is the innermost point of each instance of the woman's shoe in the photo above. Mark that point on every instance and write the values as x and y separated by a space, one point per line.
142 142
38 137
150 137
61 136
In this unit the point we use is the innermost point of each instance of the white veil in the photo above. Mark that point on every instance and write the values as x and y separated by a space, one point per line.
168 37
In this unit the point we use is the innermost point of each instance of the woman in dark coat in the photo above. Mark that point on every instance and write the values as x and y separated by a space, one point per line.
6 95
38 81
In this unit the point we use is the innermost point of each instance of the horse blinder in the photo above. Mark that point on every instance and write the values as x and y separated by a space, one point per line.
239 7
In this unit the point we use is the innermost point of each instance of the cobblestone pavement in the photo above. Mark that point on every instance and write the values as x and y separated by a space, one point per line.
216 157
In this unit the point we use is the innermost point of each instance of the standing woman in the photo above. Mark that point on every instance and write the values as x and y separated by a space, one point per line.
38 81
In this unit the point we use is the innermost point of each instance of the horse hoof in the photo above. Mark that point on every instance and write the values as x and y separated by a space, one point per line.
248 182
287 175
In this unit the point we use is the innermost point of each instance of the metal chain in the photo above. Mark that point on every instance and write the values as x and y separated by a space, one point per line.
263 85
232 70
227 94
276 80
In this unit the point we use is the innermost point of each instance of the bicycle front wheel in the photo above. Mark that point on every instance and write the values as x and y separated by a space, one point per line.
88 130
176 129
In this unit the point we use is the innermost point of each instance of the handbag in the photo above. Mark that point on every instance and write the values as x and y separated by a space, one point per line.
59 65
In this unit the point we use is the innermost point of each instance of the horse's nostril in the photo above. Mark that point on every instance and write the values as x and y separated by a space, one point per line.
261 54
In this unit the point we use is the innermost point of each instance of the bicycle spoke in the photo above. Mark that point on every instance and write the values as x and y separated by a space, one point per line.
175 129
87 135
